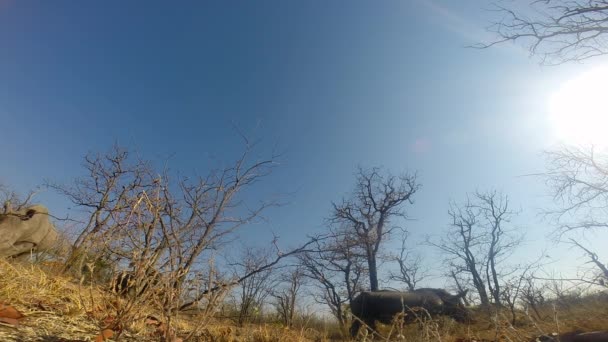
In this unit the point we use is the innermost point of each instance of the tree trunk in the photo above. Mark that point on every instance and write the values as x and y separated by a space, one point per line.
480 286
373 272
496 287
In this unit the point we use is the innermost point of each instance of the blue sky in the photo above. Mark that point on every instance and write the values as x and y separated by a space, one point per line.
332 84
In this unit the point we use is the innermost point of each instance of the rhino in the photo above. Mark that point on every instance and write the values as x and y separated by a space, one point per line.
369 307
575 336
25 230
128 284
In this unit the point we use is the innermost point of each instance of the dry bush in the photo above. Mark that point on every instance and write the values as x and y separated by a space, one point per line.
159 227
586 313
54 305
60 307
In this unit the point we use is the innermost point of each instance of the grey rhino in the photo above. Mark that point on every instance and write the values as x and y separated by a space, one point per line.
575 336
24 230
369 307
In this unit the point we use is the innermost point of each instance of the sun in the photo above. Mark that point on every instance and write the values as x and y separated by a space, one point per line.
578 111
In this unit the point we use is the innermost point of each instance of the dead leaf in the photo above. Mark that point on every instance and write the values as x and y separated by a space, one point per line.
105 334
108 320
10 312
11 321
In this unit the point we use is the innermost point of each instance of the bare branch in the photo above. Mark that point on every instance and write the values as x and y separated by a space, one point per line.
262 268
557 31
478 242
595 260
377 199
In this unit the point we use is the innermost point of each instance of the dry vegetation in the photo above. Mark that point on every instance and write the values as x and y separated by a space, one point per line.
142 266
157 239
60 308
157 234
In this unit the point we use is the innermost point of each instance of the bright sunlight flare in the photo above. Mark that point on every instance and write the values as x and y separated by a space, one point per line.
579 109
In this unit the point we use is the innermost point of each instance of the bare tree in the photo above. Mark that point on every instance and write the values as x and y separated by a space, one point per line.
336 267
495 212
602 270
367 215
577 178
556 30
411 270
463 246
142 218
106 196
478 242
253 290
532 295
280 255
287 296
518 286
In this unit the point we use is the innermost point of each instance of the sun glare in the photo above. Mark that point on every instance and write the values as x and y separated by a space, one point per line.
579 109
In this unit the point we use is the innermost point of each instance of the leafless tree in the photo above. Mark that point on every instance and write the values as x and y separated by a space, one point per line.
113 185
286 295
556 30
336 268
495 212
477 242
228 283
518 286
602 277
463 245
532 295
577 178
376 201
253 290
411 270
142 218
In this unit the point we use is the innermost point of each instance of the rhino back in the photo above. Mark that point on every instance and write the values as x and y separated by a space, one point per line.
384 305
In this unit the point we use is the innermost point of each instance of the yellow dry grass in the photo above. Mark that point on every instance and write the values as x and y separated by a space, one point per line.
585 314
59 309
54 306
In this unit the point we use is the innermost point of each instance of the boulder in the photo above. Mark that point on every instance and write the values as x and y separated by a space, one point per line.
25 230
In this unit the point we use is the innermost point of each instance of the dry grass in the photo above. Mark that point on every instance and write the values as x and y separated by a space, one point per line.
55 307
587 314
59 309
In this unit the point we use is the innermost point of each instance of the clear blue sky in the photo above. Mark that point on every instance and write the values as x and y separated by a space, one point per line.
333 84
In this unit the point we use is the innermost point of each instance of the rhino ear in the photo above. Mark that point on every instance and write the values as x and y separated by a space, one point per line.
30 213
463 294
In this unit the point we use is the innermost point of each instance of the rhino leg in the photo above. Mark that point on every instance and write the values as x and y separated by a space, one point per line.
371 324
354 328
368 324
